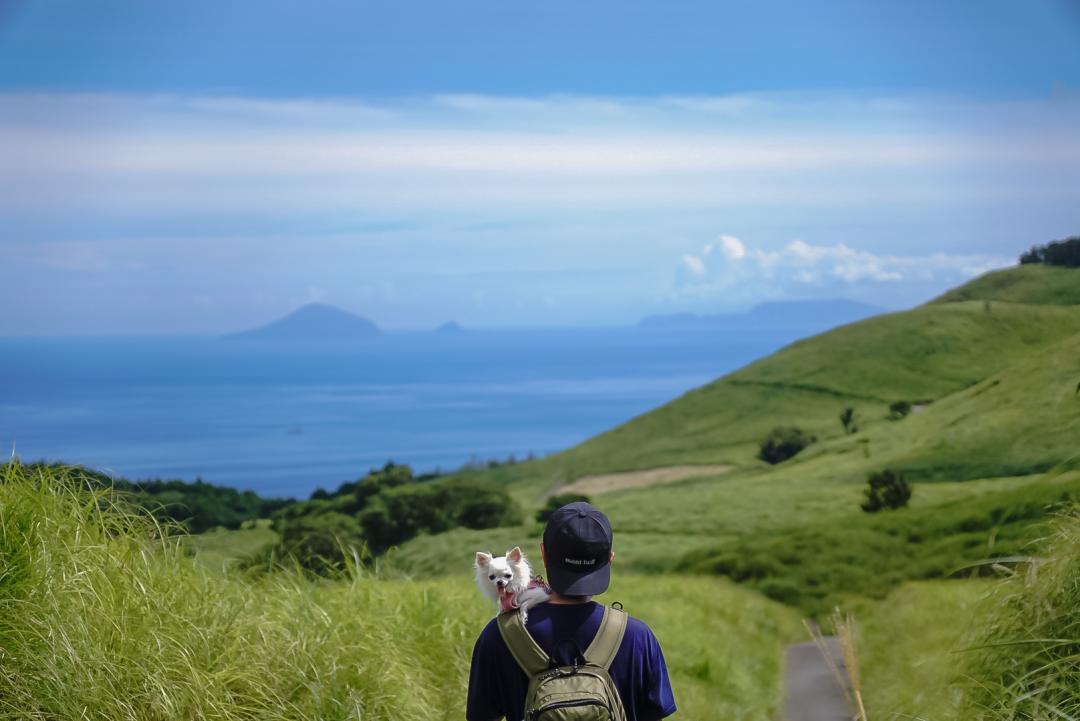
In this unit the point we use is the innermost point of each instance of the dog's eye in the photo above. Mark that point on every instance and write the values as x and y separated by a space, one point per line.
491 577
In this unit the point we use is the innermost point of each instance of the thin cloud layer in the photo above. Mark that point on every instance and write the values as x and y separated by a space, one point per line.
501 210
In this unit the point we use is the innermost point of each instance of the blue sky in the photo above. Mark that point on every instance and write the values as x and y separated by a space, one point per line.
205 166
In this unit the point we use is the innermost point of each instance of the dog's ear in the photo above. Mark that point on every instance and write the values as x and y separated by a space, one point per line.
482 559
514 554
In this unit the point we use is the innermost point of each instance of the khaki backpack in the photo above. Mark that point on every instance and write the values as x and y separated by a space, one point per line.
581 692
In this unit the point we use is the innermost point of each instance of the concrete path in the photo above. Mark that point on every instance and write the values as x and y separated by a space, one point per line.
810 689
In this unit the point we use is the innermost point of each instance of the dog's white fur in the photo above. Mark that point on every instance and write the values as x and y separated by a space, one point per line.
511 574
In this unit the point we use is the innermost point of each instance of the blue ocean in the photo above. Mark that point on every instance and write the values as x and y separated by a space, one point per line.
283 419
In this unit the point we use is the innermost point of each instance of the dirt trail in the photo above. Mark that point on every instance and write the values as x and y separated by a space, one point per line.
595 485
810 690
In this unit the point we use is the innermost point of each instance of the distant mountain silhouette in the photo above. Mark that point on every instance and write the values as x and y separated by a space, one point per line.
313 322
450 327
803 313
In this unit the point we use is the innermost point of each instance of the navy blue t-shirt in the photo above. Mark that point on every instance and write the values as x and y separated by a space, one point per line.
497 685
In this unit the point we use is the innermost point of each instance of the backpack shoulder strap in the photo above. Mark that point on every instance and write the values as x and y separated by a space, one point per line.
609 637
523 647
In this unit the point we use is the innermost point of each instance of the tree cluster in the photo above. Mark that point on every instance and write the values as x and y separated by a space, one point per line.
383 509
201 506
198 506
1059 252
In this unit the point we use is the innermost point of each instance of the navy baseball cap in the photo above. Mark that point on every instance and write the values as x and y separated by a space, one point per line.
577 543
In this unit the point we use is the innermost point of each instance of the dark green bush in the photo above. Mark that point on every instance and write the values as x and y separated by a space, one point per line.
782 590
847 420
322 542
556 502
782 443
899 409
887 489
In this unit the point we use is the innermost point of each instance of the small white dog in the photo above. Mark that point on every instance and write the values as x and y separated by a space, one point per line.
509 582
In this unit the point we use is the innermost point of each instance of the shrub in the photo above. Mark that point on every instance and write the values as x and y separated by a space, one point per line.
556 502
323 542
887 489
783 443
899 409
847 420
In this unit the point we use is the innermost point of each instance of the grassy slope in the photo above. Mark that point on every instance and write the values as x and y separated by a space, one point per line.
1019 420
818 564
1035 284
924 354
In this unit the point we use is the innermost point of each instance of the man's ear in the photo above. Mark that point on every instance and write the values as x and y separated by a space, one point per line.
543 555
514 554
611 558
482 559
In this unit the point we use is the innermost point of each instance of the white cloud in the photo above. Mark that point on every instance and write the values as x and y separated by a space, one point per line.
695 265
827 267
839 260
732 247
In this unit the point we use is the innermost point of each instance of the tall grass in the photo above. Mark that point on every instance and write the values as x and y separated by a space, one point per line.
102 616
1027 666
105 615
911 649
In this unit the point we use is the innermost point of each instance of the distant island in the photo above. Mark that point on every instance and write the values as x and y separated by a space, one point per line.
451 327
823 313
313 322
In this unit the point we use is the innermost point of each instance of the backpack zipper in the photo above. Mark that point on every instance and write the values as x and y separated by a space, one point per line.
564 704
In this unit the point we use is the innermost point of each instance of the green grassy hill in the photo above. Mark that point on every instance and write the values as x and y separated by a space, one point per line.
1034 283
996 408
921 356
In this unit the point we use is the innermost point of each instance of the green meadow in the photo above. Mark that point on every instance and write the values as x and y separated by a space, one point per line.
965 598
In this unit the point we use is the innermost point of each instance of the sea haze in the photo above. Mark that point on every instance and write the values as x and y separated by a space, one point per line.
283 419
